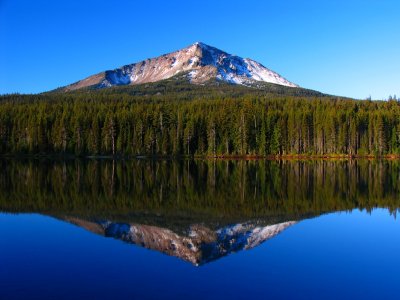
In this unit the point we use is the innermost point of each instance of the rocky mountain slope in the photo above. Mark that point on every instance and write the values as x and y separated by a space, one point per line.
197 244
198 63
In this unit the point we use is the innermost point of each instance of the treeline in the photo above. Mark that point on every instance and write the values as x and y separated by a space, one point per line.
208 188
92 123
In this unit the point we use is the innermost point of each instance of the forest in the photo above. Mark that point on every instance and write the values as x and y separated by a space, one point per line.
205 121
203 188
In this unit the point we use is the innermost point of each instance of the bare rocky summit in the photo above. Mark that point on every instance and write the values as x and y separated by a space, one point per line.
198 63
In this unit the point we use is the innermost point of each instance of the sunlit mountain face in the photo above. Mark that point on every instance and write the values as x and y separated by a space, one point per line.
197 64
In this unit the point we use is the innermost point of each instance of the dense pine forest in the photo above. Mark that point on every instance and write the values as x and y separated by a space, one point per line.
160 120
189 188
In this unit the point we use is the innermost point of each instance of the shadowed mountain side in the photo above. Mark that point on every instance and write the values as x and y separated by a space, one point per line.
178 87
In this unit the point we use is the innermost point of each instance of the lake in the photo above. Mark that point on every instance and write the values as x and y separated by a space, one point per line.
199 229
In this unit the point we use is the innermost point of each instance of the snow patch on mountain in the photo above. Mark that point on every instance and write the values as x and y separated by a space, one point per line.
201 244
200 63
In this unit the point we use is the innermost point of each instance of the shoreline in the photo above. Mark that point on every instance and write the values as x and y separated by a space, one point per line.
203 157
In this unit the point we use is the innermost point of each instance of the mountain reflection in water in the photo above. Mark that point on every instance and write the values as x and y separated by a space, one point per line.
197 244
200 210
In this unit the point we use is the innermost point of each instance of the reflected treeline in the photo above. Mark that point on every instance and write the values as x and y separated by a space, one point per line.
223 189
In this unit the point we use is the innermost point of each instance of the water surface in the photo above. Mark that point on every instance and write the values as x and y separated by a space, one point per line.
101 229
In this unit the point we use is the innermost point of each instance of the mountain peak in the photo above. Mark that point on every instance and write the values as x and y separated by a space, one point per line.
201 45
199 63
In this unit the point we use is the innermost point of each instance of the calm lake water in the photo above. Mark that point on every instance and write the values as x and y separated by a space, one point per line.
140 229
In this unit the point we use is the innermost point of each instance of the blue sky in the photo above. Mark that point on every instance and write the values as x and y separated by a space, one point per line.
348 48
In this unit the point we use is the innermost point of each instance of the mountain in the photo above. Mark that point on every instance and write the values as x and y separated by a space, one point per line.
197 244
198 64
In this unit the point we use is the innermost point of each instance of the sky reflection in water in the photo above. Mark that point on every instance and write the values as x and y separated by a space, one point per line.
351 254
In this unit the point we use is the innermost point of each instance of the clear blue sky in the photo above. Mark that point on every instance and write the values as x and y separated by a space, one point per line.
349 48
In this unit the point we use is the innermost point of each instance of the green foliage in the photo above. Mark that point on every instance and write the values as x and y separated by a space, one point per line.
219 188
196 120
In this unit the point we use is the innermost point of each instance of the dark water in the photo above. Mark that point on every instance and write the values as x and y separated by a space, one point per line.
199 229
